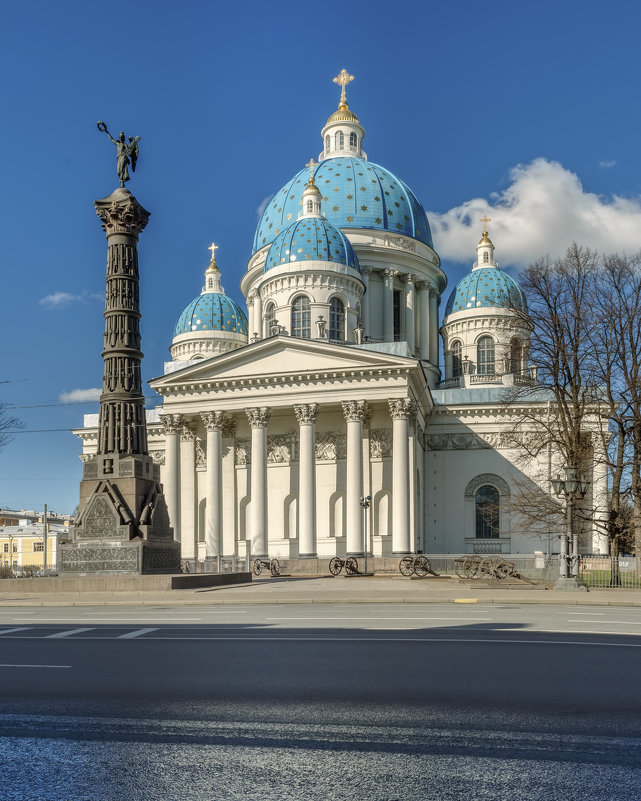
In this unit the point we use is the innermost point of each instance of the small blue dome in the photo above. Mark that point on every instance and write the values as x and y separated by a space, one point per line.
486 287
356 194
311 239
212 311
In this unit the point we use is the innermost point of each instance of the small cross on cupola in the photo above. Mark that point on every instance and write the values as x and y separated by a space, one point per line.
311 199
212 273
485 248
343 133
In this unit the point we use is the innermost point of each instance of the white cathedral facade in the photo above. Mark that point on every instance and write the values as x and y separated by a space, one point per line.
276 423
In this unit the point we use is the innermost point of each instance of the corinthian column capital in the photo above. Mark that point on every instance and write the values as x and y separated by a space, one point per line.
120 213
214 421
171 423
401 408
306 413
355 411
258 416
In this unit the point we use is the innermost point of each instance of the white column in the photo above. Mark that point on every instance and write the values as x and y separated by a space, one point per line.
365 272
400 410
600 540
214 483
171 485
409 312
258 315
188 491
306 416
434 327
258 418
388 305
354 412
250 316
424 311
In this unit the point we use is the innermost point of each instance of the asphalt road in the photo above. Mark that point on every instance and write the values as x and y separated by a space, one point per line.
347 702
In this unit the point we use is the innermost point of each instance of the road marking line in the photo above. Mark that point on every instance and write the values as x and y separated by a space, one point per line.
132 634
62 634
466 600
92 619
576 614
380 618
36 666
608 622
14 629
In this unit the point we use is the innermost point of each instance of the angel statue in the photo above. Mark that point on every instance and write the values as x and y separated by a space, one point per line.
126 153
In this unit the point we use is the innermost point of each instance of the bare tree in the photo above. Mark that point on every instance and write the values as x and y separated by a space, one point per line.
8 424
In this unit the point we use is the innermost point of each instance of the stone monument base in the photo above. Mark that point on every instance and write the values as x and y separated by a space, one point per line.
133 558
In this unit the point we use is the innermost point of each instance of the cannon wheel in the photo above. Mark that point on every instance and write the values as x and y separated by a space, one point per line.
258 567
335 566
274 567
421 566
471 566
459 567
351 566
487 569
502 569
406 565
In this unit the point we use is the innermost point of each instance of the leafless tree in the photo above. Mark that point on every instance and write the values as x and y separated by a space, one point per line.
8 424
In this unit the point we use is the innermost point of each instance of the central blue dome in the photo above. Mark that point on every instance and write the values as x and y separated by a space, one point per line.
356 194
311 238
486 287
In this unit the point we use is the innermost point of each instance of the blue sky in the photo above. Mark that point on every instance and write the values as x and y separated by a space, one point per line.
529 112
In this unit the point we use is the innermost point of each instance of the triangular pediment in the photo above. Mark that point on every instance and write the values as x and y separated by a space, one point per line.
280 356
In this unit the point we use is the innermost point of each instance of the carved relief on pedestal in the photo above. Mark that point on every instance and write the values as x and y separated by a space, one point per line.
243 451
158 456
380 442
281 448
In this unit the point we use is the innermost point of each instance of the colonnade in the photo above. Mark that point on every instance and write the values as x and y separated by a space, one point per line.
420 311
180 472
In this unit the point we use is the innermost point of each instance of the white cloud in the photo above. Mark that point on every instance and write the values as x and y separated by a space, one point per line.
60 299
543 210
607 164
263 205
80 395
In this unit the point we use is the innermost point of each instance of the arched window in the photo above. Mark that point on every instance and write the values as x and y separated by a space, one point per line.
487 509
485 356
457 360
353 141
328 142
301 317
516 355
486 256
270 318
339 140
336 319
310 206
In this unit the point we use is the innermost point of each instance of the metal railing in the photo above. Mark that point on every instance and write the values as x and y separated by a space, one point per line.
611 571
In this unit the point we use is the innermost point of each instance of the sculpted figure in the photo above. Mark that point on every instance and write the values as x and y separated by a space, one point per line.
126 153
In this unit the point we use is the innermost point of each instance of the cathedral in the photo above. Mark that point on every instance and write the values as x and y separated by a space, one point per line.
318 423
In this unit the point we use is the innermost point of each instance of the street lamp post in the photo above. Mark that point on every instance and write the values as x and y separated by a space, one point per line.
571 487
366 501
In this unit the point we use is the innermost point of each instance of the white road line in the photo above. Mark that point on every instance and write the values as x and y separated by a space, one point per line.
69 633
93 619
132 634
608 622
36 666
587 614
14 629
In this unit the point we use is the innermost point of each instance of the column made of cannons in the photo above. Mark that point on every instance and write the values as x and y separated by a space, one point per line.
306 416
258 418
355 413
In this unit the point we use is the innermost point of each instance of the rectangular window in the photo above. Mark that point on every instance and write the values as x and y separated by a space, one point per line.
5 547
397 315
38 546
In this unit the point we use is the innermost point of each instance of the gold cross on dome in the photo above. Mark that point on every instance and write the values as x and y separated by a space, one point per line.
213 249
342 79
311 164
485 220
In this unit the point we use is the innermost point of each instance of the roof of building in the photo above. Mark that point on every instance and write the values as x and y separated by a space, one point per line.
356 194
486 287
311 239
212 311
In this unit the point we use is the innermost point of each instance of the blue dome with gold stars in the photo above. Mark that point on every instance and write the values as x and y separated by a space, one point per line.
212 311
486 287
311 239
355 194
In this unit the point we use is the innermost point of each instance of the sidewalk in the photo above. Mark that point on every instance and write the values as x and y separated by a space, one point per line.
326 590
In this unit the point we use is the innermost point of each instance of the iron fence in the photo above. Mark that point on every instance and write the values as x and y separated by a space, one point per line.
611 571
